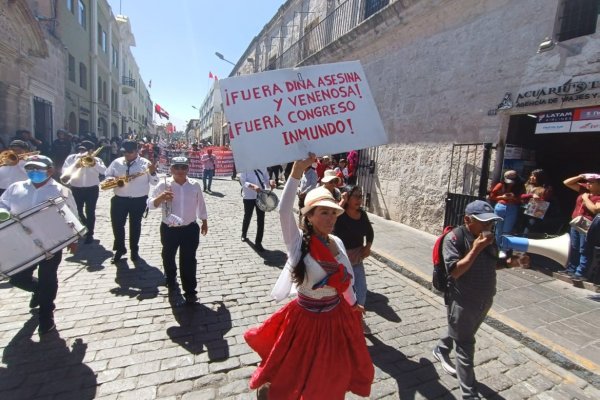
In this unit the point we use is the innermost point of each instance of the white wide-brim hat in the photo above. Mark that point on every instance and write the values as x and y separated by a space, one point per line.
320 197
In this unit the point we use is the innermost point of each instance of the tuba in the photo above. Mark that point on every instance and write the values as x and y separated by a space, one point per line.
119 182
10 158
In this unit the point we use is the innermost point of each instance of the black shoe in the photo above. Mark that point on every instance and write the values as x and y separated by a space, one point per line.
135 256
47 327
35 301
259 248
89 239
175 297
191 299
244 238
117 257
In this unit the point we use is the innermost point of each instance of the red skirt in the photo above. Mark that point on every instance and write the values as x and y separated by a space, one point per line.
311 356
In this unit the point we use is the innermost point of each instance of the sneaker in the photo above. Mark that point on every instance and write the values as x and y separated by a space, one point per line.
502 254
191 299
47 327
444 359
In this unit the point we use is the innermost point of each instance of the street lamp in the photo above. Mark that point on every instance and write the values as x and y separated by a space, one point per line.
223 58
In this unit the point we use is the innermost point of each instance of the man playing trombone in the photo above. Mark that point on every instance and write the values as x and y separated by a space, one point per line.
81 171
130 197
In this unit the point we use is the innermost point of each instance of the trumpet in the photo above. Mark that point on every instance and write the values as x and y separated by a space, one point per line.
10 158
119 182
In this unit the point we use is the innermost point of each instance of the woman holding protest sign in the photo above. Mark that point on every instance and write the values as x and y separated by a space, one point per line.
313 347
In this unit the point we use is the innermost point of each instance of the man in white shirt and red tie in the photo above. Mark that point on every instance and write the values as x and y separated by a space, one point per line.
84 181
14 173
208 169
130 199
21 196
182 204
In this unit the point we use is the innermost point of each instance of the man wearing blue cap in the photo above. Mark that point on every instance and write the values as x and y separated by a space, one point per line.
470 257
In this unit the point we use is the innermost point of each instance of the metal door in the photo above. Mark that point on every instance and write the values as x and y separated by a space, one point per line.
365 173
468 179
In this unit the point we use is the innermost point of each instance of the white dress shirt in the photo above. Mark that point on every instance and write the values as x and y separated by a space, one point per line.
139 186
23 195
208 162
249 177
84 176
12 173
188 201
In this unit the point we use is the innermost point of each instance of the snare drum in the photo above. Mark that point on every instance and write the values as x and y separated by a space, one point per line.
36 234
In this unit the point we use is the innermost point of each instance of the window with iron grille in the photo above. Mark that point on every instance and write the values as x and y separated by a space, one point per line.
372 6
82 76
577 18
71 68
82 15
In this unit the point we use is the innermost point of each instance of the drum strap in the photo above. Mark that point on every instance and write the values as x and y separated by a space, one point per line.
262 185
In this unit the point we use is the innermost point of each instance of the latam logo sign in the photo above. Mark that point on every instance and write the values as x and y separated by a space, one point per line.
565 121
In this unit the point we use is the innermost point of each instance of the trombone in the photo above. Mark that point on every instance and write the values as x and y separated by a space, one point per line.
86 161
10 158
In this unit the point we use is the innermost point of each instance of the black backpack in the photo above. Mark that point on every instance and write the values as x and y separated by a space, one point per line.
440 275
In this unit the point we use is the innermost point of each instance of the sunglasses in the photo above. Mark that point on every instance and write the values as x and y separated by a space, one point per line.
180 166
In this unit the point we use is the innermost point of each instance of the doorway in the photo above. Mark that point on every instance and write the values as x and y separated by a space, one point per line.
42 120
560 155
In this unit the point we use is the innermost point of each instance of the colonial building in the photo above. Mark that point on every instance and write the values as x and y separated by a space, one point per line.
68 64
465 90
211 118
31 71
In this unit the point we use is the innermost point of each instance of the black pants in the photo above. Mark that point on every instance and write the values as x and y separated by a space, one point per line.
249 206
2 191
120 208
88 197
186 239
45 285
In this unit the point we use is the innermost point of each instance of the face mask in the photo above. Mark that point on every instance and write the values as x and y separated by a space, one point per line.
37 176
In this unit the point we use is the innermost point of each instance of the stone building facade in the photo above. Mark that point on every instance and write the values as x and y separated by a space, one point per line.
68 64
450 73
31 73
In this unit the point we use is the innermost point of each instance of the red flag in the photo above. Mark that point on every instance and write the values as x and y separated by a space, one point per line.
210 75
161 111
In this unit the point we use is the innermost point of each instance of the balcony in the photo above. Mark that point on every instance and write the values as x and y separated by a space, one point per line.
128 84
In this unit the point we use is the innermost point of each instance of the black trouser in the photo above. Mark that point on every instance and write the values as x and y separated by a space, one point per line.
2 191
120 207
186 239
45 285
88 197
249 206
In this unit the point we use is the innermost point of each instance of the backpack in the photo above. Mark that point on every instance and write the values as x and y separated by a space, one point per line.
440 275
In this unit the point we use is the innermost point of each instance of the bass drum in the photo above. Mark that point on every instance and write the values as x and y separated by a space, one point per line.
37 233
267 200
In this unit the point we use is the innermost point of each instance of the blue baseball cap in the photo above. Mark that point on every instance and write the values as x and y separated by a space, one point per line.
481 211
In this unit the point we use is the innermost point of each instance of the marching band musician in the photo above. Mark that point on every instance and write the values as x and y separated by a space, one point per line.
21 196
253 181
14 173
182 204
84 181
129 199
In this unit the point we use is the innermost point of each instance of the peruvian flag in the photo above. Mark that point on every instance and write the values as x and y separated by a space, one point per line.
210 75
161 111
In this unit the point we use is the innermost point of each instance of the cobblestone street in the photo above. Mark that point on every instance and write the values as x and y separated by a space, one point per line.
118 337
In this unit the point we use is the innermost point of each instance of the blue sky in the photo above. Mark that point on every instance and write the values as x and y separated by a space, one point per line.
176 41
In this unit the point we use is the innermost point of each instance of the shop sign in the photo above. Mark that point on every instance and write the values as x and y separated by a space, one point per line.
554 122
586 120
568 92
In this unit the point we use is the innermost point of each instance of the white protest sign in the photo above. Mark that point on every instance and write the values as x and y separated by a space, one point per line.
280 116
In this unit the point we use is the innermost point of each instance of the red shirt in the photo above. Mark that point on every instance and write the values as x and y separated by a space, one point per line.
581 209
